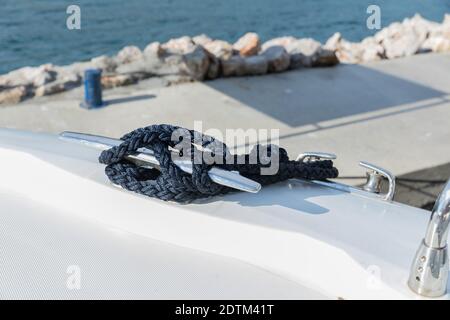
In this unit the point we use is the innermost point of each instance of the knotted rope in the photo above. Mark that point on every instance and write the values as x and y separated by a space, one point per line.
171 183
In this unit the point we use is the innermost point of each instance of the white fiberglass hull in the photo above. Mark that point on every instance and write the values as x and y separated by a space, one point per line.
66 232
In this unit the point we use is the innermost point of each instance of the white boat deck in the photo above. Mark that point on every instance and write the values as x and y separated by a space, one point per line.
292 240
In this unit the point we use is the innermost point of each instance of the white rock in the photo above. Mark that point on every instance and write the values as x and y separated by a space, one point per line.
129 54
371 50
220 49
307 46
349 52
285 42
13 95
16 77
181 57
181 45
48 89
29 76
421 26
64 82
42 75
77 68
154 49
117 80
394 30
153 66
443 29
372 53
201 39
333 42
406 44
446 19
248 45
33 73
405 38
355 52
303 52
436 44
105 63
70 80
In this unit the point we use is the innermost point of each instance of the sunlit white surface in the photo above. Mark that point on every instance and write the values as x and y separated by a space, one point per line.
292 240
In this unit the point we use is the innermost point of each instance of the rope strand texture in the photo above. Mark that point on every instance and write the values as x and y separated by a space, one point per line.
171 183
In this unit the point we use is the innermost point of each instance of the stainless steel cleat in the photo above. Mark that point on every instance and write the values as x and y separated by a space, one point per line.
145 157
311 156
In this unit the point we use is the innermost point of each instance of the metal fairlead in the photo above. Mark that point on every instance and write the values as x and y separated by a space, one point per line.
374 178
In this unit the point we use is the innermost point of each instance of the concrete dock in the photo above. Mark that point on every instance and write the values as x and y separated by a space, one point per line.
393 113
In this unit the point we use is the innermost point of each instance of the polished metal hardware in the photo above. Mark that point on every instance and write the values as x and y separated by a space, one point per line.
374 178
430 267
311 156
145 157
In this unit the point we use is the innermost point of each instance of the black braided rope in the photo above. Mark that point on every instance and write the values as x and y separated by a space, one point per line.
171 183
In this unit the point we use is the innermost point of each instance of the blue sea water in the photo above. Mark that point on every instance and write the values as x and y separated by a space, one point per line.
33 32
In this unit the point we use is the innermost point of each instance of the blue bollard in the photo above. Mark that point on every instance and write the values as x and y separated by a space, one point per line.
92 89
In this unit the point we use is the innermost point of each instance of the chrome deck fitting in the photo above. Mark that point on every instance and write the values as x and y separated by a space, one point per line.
429 271
374 178
145 157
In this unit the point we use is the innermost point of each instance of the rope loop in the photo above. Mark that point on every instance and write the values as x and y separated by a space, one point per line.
170 183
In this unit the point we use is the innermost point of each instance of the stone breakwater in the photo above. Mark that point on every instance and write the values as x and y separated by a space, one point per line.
202 58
